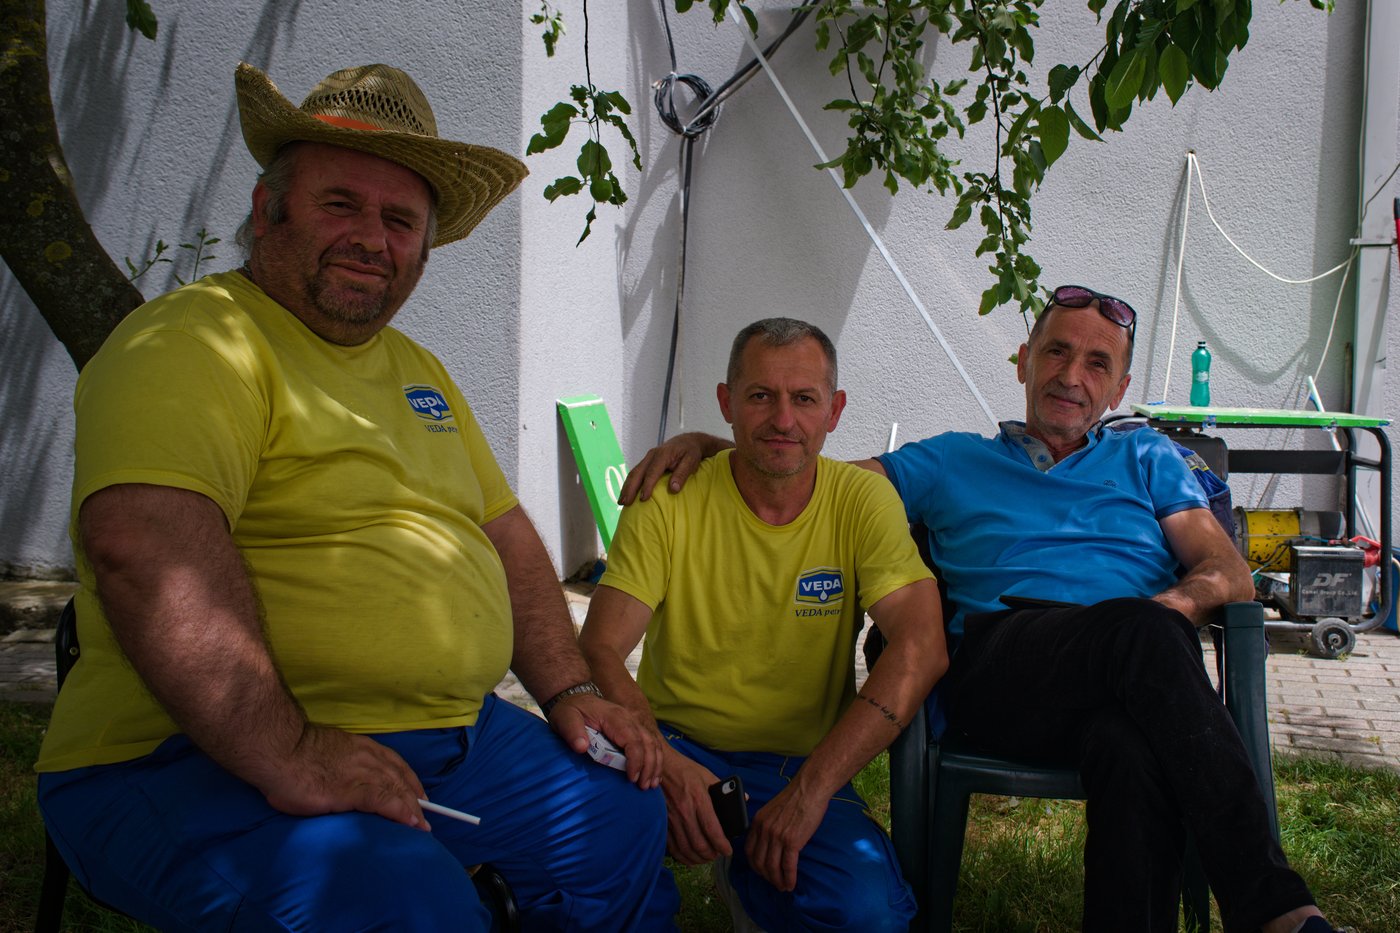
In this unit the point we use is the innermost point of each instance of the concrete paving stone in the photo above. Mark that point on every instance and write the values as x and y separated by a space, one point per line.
1298 698
1332 722
1311 706
1350 744
1343 681
1350 760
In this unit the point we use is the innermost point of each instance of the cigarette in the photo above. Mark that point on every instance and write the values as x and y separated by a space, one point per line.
448 811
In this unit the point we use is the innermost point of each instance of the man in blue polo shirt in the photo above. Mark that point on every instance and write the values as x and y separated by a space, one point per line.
1059 507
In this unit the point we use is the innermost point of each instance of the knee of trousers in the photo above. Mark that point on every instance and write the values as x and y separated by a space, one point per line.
391 881
1116 757
864 894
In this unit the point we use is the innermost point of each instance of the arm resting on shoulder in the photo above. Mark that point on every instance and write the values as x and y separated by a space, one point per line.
680 456
185 613
615 625
913 661
547 658
1216 574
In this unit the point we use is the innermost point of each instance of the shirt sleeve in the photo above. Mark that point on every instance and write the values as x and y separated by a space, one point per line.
167 409
915 470
1170 482
639 560
887 558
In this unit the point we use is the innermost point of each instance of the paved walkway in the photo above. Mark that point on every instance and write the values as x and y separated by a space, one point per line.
1348 708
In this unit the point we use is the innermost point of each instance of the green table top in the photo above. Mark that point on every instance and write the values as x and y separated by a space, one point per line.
1283 417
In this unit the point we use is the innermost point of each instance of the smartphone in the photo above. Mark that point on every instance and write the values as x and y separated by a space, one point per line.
727 796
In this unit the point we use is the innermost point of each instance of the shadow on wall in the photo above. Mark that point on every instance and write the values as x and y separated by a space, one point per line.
768 233
98 92
36 417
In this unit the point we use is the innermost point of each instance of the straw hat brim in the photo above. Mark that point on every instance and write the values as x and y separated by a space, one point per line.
468 180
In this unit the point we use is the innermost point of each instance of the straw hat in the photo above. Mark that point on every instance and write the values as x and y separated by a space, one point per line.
380 110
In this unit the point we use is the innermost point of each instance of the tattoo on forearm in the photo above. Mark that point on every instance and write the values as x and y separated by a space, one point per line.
884 710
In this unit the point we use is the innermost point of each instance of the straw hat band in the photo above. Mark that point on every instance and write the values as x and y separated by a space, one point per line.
346 122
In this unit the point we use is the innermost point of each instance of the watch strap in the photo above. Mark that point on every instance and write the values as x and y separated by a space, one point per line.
587 686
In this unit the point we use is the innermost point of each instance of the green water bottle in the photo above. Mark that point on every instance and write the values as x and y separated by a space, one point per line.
1200 376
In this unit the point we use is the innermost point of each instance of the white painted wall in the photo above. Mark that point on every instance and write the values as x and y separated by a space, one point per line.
522 317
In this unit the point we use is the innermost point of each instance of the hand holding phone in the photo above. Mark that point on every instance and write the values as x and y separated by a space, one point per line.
727 797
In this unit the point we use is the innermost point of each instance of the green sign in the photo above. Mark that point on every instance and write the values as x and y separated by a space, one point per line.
601 466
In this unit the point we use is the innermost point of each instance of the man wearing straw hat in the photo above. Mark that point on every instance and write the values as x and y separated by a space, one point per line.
302 573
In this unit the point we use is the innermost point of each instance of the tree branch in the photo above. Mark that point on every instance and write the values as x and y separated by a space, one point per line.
45 238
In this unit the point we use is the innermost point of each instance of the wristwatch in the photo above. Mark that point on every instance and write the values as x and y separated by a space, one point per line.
587 686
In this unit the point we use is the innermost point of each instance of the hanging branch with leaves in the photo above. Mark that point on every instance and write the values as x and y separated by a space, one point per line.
898 114
594 108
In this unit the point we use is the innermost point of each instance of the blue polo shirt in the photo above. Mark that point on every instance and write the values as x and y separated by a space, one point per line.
1082 530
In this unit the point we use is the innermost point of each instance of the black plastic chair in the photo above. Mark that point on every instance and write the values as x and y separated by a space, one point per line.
54 890
491 885
931 782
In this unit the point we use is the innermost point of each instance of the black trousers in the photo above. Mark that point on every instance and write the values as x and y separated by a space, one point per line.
1119 691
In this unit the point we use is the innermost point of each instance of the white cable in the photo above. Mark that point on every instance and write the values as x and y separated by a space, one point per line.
1336 311
860 215
1201 179
1180 263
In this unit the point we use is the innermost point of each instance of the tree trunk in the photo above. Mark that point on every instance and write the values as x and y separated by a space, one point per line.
44 237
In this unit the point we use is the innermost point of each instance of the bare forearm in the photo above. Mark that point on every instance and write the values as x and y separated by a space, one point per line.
612 677
546 657
883 707
182 609
1208 586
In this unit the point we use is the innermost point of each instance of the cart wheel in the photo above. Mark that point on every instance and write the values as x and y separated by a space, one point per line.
1332 638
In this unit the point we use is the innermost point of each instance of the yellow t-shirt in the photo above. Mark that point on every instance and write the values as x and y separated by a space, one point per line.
355 481
752 644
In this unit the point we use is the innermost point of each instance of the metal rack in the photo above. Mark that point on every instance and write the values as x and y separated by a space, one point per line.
1330 636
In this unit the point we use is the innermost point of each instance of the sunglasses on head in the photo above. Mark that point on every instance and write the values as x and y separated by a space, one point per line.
1115 309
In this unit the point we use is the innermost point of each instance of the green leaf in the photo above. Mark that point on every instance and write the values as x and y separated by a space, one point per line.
1176 70
749 17
989 301
563 186
618 101
141 18
1080 127
960 215
1125 79
593 159
588 219
1054 133
1062 78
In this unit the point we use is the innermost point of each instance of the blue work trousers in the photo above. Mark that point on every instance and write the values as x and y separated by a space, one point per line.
177 842
1117 690
847 875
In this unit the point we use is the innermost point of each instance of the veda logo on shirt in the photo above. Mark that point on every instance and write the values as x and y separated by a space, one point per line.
822 586
427 403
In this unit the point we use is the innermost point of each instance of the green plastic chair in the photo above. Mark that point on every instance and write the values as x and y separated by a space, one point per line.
931 781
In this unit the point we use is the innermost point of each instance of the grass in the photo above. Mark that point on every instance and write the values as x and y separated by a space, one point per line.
1021 865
